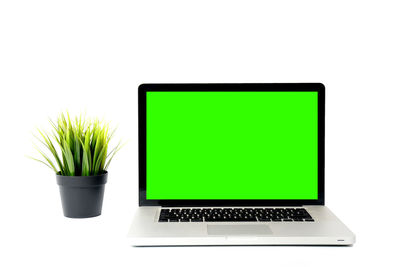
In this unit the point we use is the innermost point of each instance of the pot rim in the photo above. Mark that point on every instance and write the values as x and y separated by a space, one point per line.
82 181
82 176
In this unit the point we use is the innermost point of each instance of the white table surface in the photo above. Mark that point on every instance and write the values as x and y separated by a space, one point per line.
91 55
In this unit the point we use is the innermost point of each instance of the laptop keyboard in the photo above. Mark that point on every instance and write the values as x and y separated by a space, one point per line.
235 215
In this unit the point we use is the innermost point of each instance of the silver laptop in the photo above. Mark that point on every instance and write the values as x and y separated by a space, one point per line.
233 164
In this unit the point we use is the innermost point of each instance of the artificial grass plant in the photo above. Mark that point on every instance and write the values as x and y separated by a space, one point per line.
83 146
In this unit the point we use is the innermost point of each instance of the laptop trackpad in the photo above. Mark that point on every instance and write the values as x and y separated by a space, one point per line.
235 230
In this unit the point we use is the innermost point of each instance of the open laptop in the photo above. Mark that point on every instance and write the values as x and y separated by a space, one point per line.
233 164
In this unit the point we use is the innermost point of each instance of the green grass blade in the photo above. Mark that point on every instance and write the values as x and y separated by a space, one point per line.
47 159
85 160
69 160
96 150
43 163
49 145
77 156
97 168
116 149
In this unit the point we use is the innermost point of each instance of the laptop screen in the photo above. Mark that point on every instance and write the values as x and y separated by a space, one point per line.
232 145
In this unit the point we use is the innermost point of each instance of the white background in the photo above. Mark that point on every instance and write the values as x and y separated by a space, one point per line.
91 56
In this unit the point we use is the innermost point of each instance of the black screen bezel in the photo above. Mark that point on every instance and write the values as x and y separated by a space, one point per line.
268 87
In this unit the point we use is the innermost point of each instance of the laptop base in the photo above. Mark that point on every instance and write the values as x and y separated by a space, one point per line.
327 229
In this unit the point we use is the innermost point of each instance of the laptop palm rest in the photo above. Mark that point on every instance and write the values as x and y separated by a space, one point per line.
239 230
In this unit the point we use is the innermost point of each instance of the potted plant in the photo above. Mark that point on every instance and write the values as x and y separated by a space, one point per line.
81 156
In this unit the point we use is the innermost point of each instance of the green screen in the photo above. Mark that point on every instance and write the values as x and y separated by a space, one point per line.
232 145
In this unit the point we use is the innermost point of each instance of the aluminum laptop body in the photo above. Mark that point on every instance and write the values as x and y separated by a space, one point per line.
233 164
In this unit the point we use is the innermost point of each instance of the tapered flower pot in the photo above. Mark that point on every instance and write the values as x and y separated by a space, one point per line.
82 196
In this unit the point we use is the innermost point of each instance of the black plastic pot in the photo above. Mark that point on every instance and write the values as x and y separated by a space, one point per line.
82 196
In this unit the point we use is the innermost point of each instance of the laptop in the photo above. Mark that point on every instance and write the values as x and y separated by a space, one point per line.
233 164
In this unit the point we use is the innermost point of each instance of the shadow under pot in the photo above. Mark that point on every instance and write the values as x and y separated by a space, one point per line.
82 196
